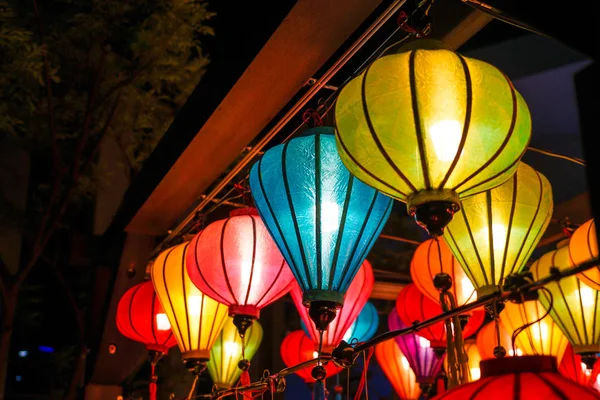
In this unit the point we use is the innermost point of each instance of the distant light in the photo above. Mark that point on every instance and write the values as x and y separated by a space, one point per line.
46 349
18 378
23 353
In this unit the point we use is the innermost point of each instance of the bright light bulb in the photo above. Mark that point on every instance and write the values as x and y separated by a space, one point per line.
315 354
512 353
162 322
587 296
232 349
467 289
424 343
475 374
194 305
330 216
404 363
446 137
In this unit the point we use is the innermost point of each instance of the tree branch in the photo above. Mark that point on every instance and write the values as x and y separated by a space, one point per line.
58 163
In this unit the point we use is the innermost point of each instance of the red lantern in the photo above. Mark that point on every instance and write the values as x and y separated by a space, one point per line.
412 305
297 348
572 367
236 262
516 378
141 318
355 299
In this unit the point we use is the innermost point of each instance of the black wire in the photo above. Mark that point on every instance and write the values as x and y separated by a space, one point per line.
522 328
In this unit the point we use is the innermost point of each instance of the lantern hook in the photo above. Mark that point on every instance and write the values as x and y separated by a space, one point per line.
242 323
322 312
434 216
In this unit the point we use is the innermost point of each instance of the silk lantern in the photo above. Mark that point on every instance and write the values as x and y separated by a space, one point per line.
424 361
365 325
195 318
141 318
574 306
297 348
322 218
429 127
229 349
487 341
236 262
516 378
433 260
397 370
474 360
356 297
541 337
583 246
412 305
574 368
496 231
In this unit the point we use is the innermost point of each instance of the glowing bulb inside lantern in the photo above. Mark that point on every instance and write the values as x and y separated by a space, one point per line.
232 349
315 354
194 305
446 137
475 374
162 322
330 216
467 289
424 343
512 353
404 363
540 332
587 296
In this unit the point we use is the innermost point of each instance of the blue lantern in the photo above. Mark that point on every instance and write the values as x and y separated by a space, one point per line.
323 219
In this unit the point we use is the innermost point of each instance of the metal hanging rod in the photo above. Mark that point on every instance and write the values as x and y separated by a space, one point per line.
313 89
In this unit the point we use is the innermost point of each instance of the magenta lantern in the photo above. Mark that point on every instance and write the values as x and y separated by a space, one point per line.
235 262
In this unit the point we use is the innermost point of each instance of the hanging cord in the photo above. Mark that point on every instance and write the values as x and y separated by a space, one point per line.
499 350
522 328
363 379
190 395
313 115
348 383
155 356
457 357
557 155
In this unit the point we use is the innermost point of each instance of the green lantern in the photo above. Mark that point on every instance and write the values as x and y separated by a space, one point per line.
430 127
226 356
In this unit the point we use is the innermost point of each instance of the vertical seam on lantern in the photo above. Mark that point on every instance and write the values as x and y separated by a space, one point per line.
200 330
138 287
318 232
338 242
513 207
185 299
595 338
222 348
467 122
417 119
293 212
511 130
253 258
484 384
222 251
458 253
384 153
559 320
273 281
394 192
268 203
583 324
529 330
194 243
490 217
153 318
342 281
552 387
164 269
485 277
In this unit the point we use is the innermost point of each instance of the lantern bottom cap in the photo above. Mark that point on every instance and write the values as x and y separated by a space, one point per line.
433 209
586 348
196 355
157 348
512 365
428 196
248 310
330 296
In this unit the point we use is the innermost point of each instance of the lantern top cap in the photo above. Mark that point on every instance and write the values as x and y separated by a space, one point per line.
321 130
243 211
512 365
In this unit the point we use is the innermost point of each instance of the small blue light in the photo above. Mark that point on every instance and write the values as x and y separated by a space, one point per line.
46 349
18 378
23 353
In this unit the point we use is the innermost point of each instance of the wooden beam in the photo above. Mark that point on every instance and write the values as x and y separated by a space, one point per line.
386 290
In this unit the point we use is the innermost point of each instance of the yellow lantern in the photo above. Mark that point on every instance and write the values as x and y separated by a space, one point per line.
396 368
496 231
226 353
574 306
196 319
473 363
543 337
487 341
433 257
428 127
583 246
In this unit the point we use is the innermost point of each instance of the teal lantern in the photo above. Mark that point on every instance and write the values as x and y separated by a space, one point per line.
322 218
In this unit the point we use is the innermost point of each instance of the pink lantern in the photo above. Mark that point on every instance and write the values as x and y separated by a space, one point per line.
235 262
355 299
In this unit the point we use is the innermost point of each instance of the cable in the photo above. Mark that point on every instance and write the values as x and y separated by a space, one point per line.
557 155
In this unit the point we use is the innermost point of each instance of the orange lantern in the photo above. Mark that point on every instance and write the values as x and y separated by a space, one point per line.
397 369
432 259
474 359
573 367
583 246
487 341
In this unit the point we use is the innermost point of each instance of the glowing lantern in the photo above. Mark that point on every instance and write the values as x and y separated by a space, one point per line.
358 293
474 360
195 318
297 348
487 341
141 318
396 368
516 378
226 353
430 127
543 337
323 219
236 262
412 305
574 306
433 258
496 231
365 326
575 369
583 246
424 361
